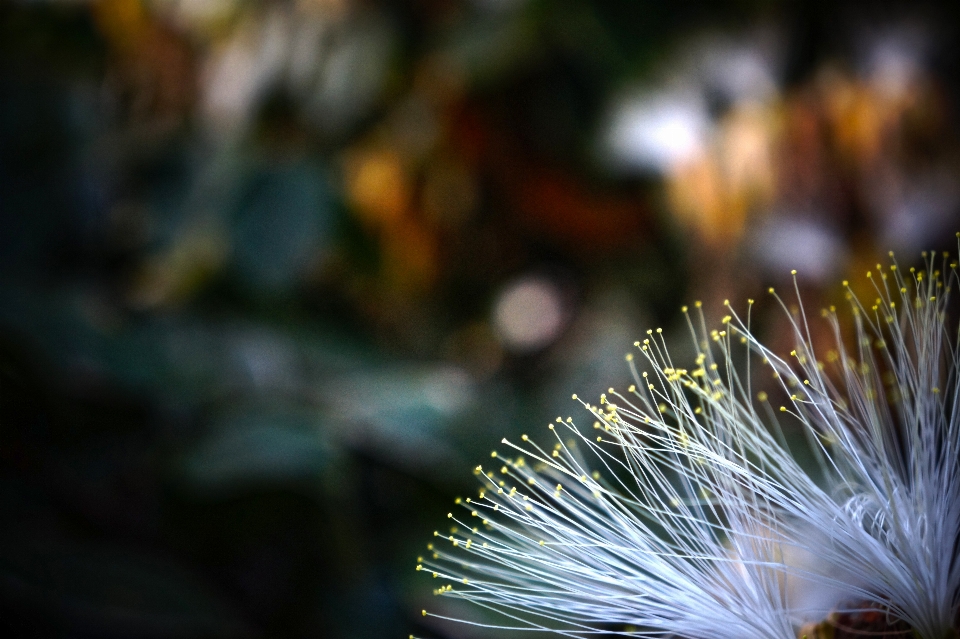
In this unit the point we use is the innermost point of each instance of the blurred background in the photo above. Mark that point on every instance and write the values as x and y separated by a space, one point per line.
275 276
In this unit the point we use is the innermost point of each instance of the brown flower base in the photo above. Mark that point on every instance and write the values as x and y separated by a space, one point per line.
869 621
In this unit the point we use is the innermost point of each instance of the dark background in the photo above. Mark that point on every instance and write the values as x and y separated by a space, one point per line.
274 276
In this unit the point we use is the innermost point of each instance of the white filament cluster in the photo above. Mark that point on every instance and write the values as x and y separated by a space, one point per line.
684 524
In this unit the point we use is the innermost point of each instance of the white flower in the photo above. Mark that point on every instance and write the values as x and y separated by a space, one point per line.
690 526
887 424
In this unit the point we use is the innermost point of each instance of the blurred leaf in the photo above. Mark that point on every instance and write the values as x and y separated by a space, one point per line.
284 224
400 413
258 445
181 358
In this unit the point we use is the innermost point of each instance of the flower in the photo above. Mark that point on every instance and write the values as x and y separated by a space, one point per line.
888 428
695 507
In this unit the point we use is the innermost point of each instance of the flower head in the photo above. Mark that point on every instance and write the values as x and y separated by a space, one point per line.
677 513
887 426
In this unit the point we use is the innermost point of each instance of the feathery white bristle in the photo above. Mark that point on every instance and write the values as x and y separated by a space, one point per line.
701 507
